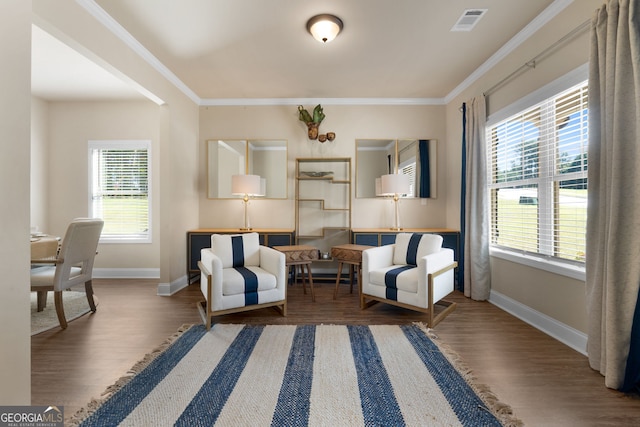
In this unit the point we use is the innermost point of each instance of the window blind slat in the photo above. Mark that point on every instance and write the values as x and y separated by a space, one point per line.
120 189
538 179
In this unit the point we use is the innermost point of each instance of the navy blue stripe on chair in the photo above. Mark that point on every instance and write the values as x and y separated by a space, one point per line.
412 250
237 247
391 281
250 285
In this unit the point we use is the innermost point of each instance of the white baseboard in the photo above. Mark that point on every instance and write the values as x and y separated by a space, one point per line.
565 334
168 289
164 289
126 273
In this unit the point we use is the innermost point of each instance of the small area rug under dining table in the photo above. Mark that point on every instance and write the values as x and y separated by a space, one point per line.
305 375
75 305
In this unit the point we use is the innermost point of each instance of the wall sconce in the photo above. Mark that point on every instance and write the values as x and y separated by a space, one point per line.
246 186
325 27
395 185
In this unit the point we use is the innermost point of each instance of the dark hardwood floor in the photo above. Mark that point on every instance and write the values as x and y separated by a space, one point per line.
545 382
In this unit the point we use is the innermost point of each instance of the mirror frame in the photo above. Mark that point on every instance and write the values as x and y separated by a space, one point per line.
393 151
243 152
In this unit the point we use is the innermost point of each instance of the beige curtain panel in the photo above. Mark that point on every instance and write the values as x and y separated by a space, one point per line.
613 225
477 268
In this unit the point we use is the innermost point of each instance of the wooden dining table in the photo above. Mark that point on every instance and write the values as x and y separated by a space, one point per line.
44 248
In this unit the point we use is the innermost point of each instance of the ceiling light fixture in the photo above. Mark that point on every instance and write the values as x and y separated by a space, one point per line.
325 27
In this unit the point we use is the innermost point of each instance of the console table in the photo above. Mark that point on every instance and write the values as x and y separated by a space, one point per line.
201 238
386 236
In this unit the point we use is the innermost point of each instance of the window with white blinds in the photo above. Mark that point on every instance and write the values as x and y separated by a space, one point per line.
538 182
119 177
409 169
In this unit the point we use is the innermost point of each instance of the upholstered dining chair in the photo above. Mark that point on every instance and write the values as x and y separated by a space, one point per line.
73 266
414 273
239 274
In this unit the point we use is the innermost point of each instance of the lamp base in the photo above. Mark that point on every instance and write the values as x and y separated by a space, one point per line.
245 228
396 228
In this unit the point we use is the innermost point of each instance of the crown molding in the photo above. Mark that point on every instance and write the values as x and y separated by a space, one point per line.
119 31
112 25
530 29
226 102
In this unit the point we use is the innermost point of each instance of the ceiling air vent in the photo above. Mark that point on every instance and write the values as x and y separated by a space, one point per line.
468 20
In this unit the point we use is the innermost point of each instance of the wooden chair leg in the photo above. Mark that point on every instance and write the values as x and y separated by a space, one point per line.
351 269
208 308
304 282
335 292
57 296
308 267
88 286
42 300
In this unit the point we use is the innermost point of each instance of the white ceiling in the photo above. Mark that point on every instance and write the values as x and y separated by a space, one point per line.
61 73
241 50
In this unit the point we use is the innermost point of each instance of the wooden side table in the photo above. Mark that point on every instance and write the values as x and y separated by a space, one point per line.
303 256
352 255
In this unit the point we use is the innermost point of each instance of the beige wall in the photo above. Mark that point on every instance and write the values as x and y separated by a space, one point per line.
71 125
554 295
15 104
349 123
39 164
179 189
175 132
559 297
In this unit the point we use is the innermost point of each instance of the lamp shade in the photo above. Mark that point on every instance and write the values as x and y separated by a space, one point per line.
245 185
394 184
325 27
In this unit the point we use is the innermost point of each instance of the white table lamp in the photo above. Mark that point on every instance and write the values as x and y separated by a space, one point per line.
395 185
246 186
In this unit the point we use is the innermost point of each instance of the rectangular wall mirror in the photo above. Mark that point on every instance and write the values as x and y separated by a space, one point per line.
227 157
414 157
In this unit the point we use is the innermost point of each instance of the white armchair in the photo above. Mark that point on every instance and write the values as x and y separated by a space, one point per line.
238 274
414 273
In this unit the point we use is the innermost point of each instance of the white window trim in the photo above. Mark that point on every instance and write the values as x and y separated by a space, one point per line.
540 261
563 83
126 145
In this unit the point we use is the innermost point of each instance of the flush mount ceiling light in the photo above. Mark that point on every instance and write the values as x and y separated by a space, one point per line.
325 27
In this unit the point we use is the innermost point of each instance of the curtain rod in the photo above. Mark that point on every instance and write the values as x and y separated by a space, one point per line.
532 62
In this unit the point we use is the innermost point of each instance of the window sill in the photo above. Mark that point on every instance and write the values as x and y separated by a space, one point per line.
546 264
112 240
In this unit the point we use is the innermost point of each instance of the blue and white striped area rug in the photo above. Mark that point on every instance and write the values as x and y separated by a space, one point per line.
325 375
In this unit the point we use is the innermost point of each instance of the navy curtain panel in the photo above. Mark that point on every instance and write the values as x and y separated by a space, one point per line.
463 195
425 173
632 370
